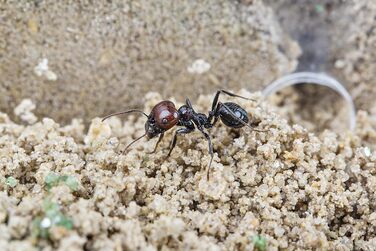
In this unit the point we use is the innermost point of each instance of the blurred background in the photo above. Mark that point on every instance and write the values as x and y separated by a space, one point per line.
76 59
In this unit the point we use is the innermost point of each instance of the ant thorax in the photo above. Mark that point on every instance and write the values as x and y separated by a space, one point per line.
185 113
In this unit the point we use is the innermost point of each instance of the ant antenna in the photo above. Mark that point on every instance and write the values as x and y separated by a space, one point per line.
126 112
134 141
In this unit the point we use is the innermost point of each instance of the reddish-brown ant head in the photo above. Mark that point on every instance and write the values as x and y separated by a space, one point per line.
163 117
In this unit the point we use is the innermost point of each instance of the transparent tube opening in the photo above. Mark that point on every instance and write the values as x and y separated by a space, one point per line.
318 79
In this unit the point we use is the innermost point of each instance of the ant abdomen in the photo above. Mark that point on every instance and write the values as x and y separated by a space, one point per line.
228 118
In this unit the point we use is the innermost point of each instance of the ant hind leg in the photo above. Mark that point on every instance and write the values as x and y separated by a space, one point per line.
216 97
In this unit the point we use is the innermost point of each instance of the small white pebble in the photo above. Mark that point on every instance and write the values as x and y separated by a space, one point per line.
23 110
50 75
113 141
45 223
42 70
276 164
339 64
279 231
198 67
26 105
367 151
239 142
41 67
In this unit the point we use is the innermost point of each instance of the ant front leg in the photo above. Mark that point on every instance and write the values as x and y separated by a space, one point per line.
156 145
210 152
179 131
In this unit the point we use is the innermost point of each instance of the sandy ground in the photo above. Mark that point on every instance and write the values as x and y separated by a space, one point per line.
301 105
295 186
282 189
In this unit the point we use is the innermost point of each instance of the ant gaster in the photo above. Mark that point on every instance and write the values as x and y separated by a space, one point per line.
164 116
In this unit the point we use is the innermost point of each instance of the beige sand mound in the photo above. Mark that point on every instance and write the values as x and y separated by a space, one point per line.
286 188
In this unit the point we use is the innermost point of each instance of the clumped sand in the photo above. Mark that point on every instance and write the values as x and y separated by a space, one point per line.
301 105
289 187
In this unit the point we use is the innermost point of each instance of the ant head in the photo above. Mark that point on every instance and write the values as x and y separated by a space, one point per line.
150 128
163 117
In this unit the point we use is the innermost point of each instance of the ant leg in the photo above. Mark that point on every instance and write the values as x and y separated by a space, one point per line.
156 145
173 142
210 152
216 97
189 104
134 141
215 114
215 120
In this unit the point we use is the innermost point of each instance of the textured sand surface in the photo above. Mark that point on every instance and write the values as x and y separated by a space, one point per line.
314 107
289 187
77 59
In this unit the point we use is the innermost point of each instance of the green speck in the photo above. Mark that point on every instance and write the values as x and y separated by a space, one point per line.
72 183
12 182
52 212
65 222
259 243
51 209
38 231
145 158
52 179
319 8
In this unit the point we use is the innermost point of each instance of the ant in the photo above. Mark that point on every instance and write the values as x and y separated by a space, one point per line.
164 116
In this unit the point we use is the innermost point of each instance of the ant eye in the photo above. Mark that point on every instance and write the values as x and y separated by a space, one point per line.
164 121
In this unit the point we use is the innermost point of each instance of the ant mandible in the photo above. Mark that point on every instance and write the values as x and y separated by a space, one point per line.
164 116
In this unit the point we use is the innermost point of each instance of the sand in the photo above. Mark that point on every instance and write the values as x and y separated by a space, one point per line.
74 59
301 183
63 188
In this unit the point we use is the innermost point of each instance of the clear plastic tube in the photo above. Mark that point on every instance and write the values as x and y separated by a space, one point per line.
314 78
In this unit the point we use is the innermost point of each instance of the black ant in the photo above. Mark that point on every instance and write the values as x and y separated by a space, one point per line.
164 116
